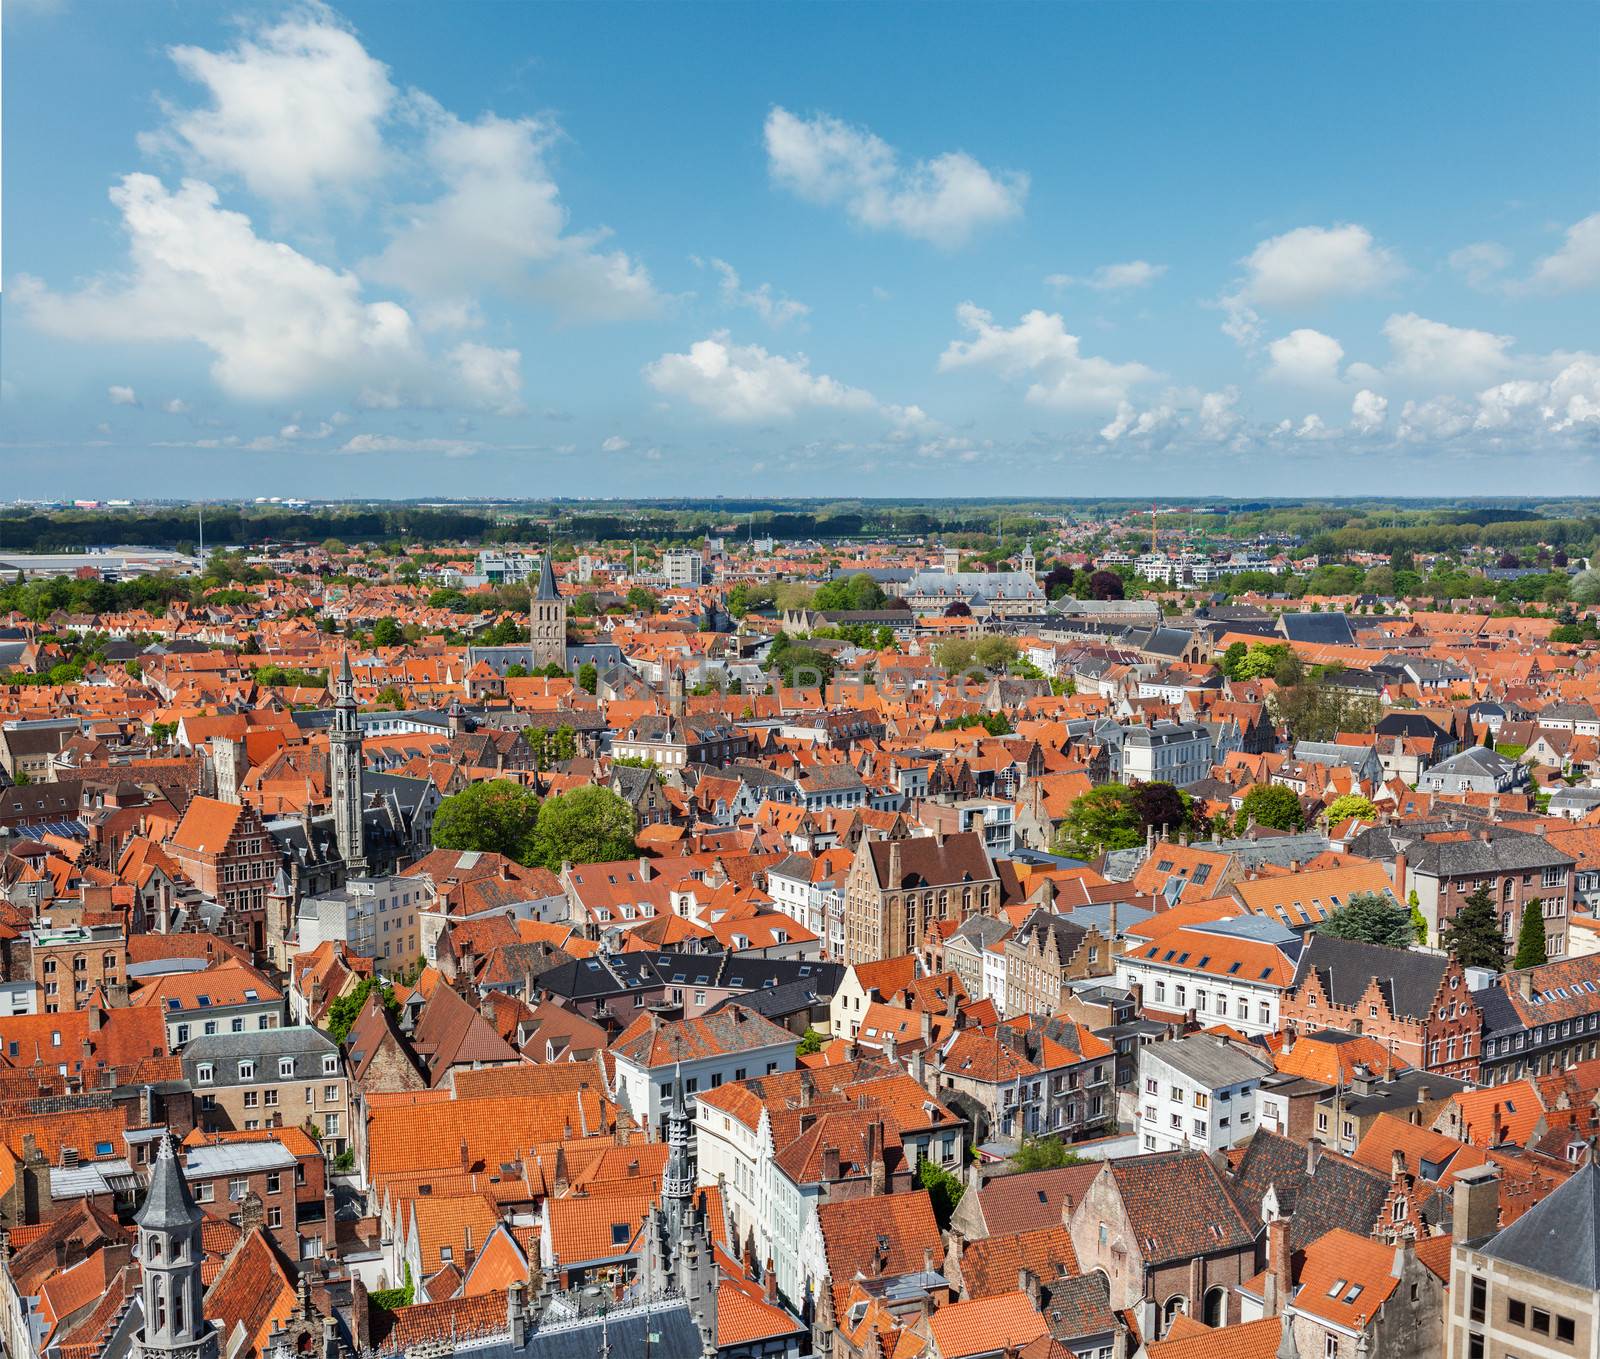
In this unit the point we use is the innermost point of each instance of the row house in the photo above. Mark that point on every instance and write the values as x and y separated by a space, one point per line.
1537 1020
782 1145
224 849
1418 1005
1030 1078
284 1078
1232 972
1198 1092
1516 868
1046 955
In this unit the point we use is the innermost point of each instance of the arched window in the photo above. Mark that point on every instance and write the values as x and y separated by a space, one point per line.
1216 1306
1176 1305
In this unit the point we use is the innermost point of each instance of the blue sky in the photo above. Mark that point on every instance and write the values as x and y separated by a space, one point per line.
584 249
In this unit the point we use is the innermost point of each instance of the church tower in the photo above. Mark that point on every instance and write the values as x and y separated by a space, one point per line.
170 1257
344 773
547 621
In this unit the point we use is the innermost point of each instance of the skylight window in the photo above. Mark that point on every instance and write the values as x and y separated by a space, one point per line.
1339 1286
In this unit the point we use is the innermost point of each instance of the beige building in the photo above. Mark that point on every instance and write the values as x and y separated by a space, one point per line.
1530 1290
283 1078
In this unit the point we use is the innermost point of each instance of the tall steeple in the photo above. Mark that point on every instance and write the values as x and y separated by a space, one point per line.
344 773
170 1258
547 619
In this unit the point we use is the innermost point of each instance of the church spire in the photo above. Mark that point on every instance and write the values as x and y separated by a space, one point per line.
170 1259
345 771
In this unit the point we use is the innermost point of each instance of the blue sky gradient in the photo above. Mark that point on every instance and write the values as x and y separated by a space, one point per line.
800 249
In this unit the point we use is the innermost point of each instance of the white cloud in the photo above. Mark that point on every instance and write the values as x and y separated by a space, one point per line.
176 406
1368 412
1218 420
489 377
1576 264
615 444
122 396
1439 418
772 308
1310 263
1131 424
1480 262
1113 277
1039 348
943 200
1500 406
499 223
1441 355
296 110
1306 358
1314 427
1560 403
390 443
744 384
276 322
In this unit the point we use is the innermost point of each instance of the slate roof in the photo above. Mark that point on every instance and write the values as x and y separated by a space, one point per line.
1180 1207
1319 629
1559 1235
925 861
1409 979
1336 1192
1504 851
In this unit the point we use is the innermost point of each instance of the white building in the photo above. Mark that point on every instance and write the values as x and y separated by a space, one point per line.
1197 1093
1164 752
375 918
681 569
1230 972
732 1044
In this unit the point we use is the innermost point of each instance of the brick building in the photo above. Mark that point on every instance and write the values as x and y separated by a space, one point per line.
1416 1004
897 888
224 849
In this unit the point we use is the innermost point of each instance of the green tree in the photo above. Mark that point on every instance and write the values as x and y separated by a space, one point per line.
495 816
390 697
1419 922
1272 805
800 666
1530 938
346 1009
1585 587
1044 1153
1351 805
588 677
810 1042
588 825
386 632
855 592
944 1190
955 654
641 600
1474 938
1373 918
453 600
1104 818
995 653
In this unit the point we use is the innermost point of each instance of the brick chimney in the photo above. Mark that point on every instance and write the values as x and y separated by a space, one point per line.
895 872
1280 1275
1400 876
877 1172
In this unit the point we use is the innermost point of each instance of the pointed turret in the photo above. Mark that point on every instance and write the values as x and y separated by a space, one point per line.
345 772
170 1258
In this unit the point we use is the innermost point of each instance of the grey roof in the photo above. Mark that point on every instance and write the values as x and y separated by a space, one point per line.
1560 1235
1502 851
1321 629
1212 1062
547 580
168 1206
1409 978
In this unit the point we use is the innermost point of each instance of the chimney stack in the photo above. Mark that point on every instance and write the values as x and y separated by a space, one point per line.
1279 1276
1475 1207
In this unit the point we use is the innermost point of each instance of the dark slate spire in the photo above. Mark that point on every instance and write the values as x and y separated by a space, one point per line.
547 580
169 1206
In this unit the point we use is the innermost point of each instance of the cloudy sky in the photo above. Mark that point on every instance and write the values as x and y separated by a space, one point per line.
519 249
